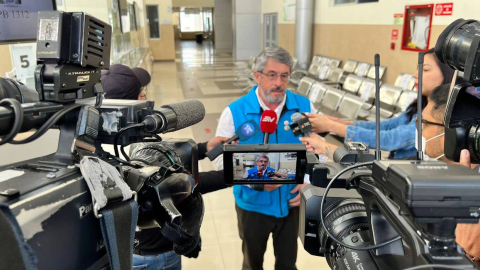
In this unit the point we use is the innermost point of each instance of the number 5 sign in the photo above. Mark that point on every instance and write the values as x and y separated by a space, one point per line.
24 58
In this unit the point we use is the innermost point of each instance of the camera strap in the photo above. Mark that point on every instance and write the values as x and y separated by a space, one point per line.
15 253
114 206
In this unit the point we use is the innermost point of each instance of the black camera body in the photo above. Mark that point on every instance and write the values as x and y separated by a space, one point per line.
457 46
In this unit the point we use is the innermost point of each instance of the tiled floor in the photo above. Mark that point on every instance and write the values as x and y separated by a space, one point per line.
203 74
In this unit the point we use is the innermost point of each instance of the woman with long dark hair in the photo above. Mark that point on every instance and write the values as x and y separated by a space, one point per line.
397 134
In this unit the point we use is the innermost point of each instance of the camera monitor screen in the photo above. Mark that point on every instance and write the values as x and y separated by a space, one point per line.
18 19
265 167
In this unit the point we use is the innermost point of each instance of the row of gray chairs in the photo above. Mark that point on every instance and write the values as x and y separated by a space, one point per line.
320 68
359 103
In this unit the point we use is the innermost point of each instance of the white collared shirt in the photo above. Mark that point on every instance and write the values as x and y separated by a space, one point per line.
226 126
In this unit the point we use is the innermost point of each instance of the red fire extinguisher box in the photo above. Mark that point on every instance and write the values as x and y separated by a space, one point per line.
416 27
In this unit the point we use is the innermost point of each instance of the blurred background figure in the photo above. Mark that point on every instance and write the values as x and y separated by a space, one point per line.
122 82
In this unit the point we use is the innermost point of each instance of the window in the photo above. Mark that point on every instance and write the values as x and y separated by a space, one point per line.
340 2
191 20
153 21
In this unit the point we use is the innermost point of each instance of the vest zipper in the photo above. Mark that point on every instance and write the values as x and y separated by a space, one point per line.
280 202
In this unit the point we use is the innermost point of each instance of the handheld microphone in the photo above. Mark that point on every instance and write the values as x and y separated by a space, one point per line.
421 55
268 124
300 125
378 153
244 132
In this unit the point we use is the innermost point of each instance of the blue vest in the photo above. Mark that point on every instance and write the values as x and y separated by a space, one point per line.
272 203
252 174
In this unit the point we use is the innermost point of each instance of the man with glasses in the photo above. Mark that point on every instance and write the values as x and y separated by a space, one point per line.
433 129
275 209
262 171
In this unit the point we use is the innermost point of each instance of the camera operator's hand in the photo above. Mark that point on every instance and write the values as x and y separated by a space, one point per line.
217 140
315 144
465 158
271 187
296 201
322 123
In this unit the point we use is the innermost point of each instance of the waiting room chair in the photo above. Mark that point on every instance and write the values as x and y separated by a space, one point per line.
362 69
316 93
349 107
389 96
350 66
304 86
352 83
331 100
405 81
371 72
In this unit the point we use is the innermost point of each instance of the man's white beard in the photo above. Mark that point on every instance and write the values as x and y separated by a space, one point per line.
276 99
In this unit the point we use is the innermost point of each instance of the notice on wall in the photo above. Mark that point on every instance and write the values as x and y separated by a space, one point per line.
18 19
288 10
444 9
398 19
394 34
24 58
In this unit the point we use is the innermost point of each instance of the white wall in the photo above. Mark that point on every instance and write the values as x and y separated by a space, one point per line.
247 28
275 6
222 25
193 3
96 8
381 13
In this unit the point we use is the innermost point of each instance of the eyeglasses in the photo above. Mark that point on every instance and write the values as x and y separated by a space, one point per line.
426 122
274 76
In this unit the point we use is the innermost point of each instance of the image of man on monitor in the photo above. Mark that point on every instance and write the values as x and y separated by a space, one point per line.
262 172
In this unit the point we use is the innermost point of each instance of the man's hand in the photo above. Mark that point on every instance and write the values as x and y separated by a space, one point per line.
319 146
271 187
296 201
215 141
465 158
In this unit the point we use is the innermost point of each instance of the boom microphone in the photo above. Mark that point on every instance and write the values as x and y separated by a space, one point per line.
243 133
173 117
187 113
268 124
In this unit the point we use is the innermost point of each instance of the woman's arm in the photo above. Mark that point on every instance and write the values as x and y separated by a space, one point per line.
390 140
385 124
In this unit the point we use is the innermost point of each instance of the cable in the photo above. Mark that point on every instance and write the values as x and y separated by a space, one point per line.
323 222
444 266
120 133
47 125
18 121
122 150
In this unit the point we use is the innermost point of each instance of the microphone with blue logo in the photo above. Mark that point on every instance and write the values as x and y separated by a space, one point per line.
244 132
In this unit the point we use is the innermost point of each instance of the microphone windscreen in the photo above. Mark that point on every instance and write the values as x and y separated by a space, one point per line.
247 130
296 116
268 121
188 113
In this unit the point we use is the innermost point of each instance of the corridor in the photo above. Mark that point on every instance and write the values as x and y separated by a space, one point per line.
199 72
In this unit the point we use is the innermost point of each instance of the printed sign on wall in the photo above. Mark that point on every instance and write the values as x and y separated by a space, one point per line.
394 34
444 9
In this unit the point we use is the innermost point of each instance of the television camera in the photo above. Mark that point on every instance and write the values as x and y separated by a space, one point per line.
48 197
387 214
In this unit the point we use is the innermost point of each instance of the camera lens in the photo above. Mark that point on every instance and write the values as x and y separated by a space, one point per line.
455 44
473 141
16 90
342 219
